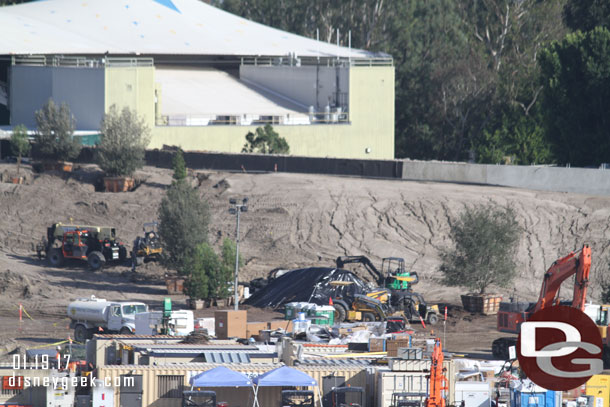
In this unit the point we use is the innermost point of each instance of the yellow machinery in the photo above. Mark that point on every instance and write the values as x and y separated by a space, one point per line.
147 247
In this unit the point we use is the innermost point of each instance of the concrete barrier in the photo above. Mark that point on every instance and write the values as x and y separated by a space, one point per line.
558 179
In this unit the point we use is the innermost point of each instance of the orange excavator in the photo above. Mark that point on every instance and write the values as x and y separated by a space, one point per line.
437 380
512 314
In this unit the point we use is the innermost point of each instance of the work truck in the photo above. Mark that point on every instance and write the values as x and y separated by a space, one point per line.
96 315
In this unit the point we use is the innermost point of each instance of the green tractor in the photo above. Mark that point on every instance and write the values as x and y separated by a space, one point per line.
395 275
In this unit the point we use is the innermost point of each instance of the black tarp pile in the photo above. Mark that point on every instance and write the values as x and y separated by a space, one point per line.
307 285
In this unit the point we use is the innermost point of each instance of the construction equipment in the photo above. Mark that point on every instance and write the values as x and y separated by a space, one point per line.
347 397
512 314
370 309
351 306
146 247
437 382
394 277
600 314
95 244
91 315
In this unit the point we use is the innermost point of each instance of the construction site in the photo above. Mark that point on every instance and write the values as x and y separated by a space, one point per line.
341 298
306 310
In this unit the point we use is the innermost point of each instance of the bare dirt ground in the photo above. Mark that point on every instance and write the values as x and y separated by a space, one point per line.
294 220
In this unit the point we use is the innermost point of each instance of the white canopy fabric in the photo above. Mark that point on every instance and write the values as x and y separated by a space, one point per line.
152 27
208 91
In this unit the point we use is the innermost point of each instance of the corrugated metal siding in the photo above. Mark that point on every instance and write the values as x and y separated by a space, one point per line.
268 396
226 357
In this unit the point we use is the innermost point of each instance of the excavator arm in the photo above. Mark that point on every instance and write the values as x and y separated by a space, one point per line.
437 381
370 267
576 263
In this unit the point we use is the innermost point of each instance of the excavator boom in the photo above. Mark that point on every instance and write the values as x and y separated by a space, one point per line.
578 263
437 379
366 262
512 315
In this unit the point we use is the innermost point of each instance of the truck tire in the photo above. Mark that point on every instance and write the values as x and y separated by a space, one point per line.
122 254
96 260
81 333
340 313
368 317
125 331
432 318
56 257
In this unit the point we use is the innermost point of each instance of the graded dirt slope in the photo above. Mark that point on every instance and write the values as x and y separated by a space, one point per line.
294 220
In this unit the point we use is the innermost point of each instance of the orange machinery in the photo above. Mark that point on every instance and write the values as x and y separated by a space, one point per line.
437 380
512 314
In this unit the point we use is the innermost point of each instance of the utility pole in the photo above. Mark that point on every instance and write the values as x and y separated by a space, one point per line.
235 209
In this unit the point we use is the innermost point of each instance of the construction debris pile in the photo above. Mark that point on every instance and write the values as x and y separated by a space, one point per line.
305 285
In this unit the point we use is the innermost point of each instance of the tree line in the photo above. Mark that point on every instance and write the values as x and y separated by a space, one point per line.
491 81
494 81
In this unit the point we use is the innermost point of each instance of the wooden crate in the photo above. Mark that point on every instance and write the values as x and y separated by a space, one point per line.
487 304
174 284
377 345
119 184
392 346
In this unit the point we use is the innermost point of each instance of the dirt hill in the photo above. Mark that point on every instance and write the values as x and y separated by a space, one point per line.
294 220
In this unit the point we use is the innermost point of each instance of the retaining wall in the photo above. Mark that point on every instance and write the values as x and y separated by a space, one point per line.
559 179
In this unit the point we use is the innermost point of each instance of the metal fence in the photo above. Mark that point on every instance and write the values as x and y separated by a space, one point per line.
309 61
335 116
79 62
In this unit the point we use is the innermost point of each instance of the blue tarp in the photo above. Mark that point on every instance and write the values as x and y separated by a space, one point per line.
285 376
220 377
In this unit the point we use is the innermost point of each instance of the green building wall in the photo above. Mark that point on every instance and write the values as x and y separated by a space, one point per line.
134 87
371 127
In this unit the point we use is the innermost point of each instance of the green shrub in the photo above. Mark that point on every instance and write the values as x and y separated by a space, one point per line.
55 132
179 165
485 242
122 147
265 141
183 223
20 144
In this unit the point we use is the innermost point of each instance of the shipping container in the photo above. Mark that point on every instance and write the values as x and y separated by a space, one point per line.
412 381
159 382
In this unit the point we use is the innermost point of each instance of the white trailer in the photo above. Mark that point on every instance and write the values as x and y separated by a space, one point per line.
181 322
88 315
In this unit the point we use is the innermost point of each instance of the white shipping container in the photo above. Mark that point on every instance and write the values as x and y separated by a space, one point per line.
474 394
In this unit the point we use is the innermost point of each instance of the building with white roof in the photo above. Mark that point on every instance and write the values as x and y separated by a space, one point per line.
201 77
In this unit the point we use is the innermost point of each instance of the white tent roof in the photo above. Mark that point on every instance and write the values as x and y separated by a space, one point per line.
199 91
182 27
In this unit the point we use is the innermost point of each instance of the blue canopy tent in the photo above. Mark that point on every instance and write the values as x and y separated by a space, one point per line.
284 376
221 377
